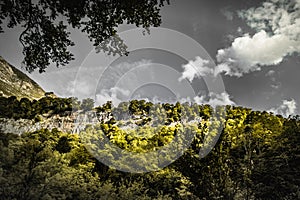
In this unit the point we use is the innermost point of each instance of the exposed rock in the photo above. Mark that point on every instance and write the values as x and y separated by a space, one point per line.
13 82
69 124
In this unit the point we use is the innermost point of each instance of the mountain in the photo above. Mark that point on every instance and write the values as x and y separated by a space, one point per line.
13 82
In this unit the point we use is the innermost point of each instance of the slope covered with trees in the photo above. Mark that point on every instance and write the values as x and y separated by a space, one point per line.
256 156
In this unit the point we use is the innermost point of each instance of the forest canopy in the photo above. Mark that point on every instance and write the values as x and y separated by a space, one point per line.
256 157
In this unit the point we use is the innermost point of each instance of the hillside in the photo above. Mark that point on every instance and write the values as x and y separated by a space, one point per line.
256 155
13 82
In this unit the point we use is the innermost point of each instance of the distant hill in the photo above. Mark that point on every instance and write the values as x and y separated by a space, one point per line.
13 82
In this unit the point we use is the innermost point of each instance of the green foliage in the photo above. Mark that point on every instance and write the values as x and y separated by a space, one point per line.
256 156
173 112
139 107
46 38
55 165
11 107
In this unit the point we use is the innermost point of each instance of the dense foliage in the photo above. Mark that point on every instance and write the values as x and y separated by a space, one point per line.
256 156
11 107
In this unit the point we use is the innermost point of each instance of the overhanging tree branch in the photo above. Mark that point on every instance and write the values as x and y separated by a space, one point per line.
46 39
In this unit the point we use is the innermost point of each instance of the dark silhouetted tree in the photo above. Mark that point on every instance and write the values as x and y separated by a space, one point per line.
46 38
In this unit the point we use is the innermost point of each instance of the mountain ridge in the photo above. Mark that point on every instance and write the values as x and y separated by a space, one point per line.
13 82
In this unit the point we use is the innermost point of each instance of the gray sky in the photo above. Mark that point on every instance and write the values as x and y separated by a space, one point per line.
259 70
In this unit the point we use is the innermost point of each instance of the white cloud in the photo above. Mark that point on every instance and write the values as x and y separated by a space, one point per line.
278 35
200 67
84 85
276 16
214 99
240 30
248 54
196 68
287 108
115 94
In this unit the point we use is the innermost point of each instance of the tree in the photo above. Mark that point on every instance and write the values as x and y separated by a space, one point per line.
46 39
74 103
87 104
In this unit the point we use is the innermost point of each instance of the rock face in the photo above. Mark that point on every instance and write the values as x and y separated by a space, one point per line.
73 123
13 82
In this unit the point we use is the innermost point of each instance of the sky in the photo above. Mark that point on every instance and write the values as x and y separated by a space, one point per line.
237 52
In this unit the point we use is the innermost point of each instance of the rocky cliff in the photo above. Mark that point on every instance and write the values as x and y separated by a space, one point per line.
13 82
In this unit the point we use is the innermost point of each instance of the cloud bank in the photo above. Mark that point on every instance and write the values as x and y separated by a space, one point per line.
214 99
195 68
277 23
277 26
115 94
287 108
